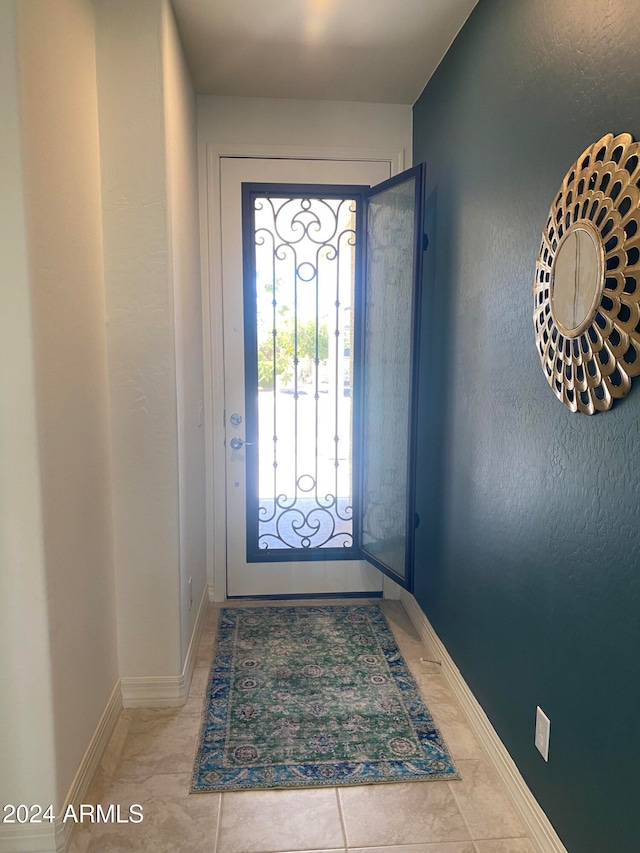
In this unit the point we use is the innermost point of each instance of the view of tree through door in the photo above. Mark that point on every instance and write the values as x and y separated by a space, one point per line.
306 295
319 375
301 251
343 572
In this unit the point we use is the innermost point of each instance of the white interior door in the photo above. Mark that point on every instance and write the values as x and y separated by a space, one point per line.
309 577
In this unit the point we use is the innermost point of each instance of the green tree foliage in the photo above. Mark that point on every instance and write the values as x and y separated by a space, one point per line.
309 336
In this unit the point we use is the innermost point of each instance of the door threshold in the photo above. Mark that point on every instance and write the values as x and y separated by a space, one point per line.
305 595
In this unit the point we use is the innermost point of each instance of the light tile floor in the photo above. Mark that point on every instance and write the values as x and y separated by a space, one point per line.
150 758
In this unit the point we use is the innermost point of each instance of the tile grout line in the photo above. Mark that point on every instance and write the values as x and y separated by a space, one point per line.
216 839
462 814
466 823
342 822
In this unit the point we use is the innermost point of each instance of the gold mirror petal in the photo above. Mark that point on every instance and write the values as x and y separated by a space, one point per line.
586 291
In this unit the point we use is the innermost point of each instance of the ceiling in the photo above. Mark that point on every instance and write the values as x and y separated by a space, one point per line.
380 51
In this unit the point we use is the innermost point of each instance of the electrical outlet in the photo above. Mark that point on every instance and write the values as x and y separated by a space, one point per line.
190 595
543 726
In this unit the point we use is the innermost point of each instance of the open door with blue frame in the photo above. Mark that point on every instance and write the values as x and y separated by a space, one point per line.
389 342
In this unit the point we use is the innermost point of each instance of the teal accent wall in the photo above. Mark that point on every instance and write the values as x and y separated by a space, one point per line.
528 557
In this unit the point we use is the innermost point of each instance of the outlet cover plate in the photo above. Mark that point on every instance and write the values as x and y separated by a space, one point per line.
543 726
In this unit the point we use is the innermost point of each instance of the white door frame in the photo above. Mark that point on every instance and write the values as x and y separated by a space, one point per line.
213 333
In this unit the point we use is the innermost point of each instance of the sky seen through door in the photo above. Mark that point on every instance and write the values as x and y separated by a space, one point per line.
304 280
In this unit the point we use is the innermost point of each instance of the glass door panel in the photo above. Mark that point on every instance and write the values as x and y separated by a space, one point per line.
391 292
299 292
323 570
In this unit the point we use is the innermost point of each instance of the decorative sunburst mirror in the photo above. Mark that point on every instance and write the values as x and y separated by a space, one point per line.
587 287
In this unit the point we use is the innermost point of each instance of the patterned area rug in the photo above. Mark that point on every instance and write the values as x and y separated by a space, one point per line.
313 697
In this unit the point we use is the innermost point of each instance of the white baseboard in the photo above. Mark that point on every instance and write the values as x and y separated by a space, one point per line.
390 589
212 596
542 834
192 651
169 691
130 693
89 764
54 838
28 838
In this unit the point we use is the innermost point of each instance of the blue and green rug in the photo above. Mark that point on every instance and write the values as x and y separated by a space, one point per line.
312 697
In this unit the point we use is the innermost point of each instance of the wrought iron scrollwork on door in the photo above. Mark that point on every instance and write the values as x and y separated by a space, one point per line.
303 256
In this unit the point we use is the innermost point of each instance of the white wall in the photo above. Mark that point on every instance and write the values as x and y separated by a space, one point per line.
27 766
64 225
271 121
140 336
255 125
147 136
58 638
182 192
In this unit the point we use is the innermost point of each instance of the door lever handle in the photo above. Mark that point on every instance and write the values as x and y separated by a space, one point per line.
237 443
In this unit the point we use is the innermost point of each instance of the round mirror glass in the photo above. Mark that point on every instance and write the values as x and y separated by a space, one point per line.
577 281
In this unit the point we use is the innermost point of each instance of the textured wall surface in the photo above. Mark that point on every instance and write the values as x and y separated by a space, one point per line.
64 222
27 764
182 195
529 567
140 336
